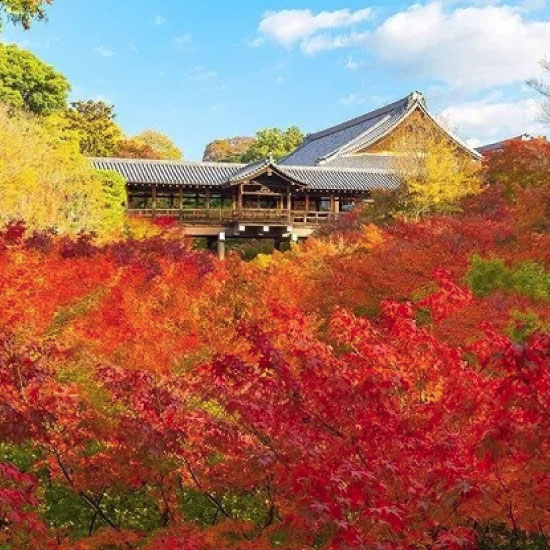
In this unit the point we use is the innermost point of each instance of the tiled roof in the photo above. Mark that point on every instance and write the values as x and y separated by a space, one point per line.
320 145
359 133
321 178
169 172
137 171
499 145
367 161
250 169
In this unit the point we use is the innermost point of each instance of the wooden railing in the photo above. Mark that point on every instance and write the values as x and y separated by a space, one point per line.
250 215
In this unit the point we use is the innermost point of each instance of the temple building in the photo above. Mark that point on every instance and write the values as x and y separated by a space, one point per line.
327 175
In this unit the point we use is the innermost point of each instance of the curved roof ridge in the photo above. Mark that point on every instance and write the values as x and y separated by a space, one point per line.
349 146
363 140
453 137
386 109
168 162
324 145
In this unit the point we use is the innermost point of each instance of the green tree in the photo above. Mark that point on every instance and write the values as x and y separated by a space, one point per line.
113 186
93 124
159 143
274 141
28 83
23 12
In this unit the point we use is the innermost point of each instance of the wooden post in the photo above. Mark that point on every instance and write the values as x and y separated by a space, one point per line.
337 204
180 194
207 201
332 203
289 203
154 199
307 208
240 198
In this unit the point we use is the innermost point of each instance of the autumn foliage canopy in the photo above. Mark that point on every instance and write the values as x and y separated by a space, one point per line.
381 388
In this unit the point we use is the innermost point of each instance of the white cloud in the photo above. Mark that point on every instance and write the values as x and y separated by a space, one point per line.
303 27
479 44
465 46
474 143
181 41
159 20
102 51
486 121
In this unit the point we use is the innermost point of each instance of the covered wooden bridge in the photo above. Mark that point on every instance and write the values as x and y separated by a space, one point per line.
328 174
259 200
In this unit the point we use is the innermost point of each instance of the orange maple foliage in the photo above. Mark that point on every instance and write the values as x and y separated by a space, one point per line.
361 391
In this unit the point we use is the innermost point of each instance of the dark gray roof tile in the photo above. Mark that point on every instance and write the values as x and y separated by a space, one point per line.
362 162
318 178
169 172
321 178
321 145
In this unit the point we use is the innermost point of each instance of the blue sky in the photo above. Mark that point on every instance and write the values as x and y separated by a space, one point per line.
204 70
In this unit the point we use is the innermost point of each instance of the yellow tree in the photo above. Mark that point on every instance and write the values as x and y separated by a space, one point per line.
46 183
434 170
160 144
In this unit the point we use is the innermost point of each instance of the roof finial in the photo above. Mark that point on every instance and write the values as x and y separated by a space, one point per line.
417 97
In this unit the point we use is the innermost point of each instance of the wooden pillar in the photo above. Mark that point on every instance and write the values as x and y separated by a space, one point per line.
337 204
180 194
289 203
240 197
307 203
154 199
207 199
332 203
